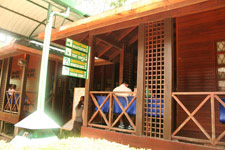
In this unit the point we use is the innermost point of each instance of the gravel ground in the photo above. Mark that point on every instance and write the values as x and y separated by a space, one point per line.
74 144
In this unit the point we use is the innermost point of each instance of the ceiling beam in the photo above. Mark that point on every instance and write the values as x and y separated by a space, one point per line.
133 39
110 41
125 33
104 51
116 53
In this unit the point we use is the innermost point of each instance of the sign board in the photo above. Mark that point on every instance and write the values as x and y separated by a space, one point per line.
75 61
77 45
74 72
76 54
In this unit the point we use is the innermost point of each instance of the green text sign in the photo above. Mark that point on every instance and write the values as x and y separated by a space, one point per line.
74 63
74 72
76 54
77 45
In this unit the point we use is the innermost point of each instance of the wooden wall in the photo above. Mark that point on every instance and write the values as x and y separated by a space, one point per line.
196 63
33 77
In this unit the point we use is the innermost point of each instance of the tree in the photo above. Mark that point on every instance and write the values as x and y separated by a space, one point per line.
117 3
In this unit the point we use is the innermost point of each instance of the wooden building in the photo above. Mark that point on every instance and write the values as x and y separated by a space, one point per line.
172 48
20 65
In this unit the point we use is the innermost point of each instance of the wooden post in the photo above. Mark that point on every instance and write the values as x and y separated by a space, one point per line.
121 64
89 81
113 77
213 120
23 85
140 79
2 62
54 85
102 78
6 83
169 48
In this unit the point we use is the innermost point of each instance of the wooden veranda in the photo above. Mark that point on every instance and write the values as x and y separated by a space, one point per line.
161 47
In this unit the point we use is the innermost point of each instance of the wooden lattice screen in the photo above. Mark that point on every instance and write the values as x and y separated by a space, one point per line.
154 79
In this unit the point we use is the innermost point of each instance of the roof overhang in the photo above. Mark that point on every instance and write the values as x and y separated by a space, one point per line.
134 14
16 49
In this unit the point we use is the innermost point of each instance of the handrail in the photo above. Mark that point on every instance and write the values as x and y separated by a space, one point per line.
12 102
110 121
210 96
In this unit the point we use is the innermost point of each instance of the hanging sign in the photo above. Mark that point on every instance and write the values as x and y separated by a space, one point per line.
76 54
75 60
74 63
74 72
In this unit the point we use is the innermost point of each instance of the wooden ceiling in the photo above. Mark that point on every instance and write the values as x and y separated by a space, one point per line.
108 45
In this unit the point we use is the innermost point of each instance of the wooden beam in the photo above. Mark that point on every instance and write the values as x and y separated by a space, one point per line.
102 62
119 39
89 81
125 33
104 51
102 78
121 64
110 41
169 51
1 74
151 11
140 80
133 39
23 85
8 72
116 53
113 76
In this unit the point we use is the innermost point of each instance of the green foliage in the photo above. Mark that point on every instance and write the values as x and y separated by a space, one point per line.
74 144
117 3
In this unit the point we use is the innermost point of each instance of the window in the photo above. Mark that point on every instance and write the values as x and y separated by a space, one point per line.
220 53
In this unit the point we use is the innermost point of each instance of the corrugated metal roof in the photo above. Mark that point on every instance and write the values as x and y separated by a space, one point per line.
28 17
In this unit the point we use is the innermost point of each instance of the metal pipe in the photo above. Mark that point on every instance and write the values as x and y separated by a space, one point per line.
45 54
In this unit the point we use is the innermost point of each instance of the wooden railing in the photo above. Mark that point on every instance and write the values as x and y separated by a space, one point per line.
13 100
210 96
111 120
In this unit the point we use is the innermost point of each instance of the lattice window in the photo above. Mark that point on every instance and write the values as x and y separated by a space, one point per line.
154 79
220 50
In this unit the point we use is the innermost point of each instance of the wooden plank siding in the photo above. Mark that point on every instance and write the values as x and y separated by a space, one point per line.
196 63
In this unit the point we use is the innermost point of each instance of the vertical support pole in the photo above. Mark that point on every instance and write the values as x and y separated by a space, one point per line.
110 110
140 79
121 64
23 85
169 48
89 81
113 77
44 62
8 72
213 120
1 78
2 62
54 85
103 78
